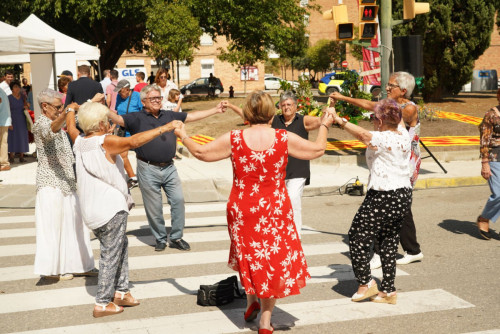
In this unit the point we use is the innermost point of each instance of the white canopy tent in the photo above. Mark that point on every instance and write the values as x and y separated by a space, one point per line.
15 42
46 64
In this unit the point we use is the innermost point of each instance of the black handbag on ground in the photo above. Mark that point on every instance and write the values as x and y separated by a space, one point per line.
220 293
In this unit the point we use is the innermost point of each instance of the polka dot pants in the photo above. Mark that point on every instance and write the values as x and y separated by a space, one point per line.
379 218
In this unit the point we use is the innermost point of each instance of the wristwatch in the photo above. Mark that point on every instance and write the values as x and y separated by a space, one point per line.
69 109
344 122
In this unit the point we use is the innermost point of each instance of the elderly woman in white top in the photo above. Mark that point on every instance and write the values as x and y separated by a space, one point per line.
62 240
387 202
104 198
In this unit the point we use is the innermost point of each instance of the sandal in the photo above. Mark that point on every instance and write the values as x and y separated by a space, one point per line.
125 299
104 311
484 234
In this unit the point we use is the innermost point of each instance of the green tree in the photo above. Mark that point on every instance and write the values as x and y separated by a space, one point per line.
455 34
175 33
324 53
119 25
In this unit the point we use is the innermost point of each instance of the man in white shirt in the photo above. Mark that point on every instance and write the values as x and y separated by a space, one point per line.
106 81
9 76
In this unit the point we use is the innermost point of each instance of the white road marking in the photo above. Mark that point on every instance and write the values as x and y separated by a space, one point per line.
37 300
284 315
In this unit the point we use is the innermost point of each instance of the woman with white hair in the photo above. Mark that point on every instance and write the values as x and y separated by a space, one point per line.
399 88
105 199
62 241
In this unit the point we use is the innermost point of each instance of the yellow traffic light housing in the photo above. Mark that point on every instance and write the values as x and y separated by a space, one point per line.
368 25
412 8
368 30
344 30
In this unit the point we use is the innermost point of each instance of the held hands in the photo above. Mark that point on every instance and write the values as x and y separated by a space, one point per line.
222 107
329 117
174 125
334 97
180 131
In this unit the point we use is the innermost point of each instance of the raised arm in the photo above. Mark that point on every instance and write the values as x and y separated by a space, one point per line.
307 150
214 151
362 103
116 145
360 133
197 115
236 109
311 122
71 123
410 115
115 118
58 123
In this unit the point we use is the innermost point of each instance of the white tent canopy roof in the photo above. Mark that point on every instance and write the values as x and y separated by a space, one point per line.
15 41
61 43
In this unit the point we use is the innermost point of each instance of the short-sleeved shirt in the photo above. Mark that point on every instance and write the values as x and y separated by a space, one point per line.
5 119
296 168
135 103
162 148
110 91
389 164
140 86
55 158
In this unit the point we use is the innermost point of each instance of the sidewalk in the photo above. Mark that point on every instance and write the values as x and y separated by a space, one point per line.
208 182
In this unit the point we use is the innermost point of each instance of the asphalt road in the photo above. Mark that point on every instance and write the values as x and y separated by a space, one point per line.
453 290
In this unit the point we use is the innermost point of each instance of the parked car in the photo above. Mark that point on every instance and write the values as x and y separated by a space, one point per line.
272 82
332 81
200 86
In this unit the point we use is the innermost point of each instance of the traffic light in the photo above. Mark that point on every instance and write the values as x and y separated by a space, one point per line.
344 30
368 24
410 9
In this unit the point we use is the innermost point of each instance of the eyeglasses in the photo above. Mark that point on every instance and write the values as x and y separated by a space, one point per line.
55 107
163 76
154 99
391 86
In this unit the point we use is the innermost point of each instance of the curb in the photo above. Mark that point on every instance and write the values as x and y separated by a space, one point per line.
450 182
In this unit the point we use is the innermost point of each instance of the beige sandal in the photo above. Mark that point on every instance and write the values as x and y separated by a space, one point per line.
104 311
125 299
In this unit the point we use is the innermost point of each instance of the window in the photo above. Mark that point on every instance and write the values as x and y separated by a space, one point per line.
206 39
207 67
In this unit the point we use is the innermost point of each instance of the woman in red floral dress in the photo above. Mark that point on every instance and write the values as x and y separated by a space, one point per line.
265 246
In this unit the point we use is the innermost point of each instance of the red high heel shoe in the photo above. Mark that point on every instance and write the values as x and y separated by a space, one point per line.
266 331
252 312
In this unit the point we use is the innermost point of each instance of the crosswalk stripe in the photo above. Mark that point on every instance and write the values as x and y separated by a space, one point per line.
36 300
139 211
134 241
177 259
284 315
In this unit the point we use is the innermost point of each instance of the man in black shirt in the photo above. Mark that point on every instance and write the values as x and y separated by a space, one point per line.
83 89
155 167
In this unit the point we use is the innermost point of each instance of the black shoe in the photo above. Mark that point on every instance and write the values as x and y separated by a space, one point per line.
160 246
180 244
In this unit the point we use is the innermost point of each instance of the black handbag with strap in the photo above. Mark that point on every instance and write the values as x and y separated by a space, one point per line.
220 293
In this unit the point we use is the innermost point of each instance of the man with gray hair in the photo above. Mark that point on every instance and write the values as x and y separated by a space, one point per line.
155 167
62 240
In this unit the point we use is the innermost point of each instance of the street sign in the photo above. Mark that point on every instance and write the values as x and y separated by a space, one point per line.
345 63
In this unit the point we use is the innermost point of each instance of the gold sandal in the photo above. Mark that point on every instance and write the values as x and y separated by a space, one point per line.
104 311
125 299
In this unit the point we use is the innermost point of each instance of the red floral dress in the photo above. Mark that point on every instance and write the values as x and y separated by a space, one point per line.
265 247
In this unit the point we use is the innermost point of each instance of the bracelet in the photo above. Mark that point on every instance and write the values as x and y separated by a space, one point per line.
484 162
325 126
184 138
159 129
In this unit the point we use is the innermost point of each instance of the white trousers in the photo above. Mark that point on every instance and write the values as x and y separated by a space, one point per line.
295 189
62 240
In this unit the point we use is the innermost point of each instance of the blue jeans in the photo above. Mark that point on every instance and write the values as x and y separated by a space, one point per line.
492 208
151 180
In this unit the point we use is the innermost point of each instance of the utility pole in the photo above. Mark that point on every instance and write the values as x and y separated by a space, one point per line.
385 43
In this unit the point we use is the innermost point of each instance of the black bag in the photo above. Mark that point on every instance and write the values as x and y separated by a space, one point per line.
221 293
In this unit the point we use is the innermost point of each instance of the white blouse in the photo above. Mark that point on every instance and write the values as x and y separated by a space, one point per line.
389 164
102 185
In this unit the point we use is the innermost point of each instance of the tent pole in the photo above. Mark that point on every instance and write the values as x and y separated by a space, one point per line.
99 68
54 71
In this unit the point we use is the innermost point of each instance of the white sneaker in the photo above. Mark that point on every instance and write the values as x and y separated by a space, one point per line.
407 258
375 262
